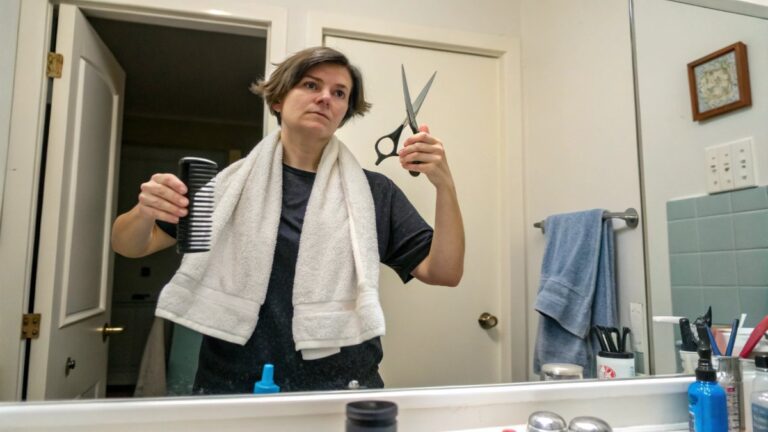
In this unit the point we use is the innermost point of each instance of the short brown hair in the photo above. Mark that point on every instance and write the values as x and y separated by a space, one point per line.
292 70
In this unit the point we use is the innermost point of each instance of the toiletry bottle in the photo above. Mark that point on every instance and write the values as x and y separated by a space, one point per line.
707 408
267 382
729 378
759 397
371 416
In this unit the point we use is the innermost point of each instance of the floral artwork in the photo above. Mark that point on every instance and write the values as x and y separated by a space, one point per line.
719 82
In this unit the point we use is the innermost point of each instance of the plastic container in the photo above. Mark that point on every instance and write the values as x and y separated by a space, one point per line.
707 407
561 371
729 378
759 396
613 365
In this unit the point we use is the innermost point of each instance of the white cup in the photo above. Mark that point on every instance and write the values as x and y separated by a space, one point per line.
689 360
612 365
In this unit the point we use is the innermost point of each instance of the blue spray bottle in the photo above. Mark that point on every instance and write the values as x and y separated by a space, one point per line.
707 408
267 382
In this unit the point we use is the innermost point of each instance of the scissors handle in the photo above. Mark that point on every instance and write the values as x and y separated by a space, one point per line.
394 137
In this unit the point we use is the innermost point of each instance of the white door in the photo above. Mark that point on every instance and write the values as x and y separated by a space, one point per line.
73 288
433 336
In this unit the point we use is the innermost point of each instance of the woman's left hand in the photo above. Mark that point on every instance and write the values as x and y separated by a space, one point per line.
430 153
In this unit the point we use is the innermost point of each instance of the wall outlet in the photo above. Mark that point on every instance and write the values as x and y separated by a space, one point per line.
725 164
743 164
713 172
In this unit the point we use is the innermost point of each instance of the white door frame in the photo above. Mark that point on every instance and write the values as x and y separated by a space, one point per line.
513 310
23 170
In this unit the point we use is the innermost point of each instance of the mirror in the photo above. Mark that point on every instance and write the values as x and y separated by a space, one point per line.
138 300
165 116
703 249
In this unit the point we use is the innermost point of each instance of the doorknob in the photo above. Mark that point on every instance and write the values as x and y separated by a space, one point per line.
107 331
487 321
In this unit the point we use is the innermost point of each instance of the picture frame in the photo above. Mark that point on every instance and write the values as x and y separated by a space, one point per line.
719 82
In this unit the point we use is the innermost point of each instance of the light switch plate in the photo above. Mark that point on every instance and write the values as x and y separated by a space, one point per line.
712 170
725 167
743 164
637 324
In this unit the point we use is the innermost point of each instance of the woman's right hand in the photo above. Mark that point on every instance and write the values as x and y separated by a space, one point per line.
162 198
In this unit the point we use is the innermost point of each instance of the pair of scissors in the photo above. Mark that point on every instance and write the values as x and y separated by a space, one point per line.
411 110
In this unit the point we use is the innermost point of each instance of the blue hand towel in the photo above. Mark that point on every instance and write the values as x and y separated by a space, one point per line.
577 288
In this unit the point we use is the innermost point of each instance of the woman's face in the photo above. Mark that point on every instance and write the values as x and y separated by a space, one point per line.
317 104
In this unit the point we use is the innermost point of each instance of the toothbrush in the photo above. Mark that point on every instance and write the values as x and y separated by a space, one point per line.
754 338
732 338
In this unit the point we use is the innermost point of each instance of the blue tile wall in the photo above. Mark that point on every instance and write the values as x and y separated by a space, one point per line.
718 257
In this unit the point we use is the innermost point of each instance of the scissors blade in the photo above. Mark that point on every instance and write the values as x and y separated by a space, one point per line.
423 94
408 105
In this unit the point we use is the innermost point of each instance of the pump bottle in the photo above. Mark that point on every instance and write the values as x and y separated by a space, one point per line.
707 407
267 382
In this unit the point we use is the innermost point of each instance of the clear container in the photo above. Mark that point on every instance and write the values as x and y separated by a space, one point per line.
561 371
759 396
729 378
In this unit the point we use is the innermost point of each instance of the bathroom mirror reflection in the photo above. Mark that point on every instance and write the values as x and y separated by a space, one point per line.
500 140
706 237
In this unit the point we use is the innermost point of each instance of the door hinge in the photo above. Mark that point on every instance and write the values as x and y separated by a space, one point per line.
30 326
54 65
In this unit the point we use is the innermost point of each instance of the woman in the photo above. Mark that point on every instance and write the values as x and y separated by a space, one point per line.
300 320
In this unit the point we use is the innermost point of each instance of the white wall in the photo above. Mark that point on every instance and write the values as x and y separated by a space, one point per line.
497 17
12 303
579 129
9 25
669 36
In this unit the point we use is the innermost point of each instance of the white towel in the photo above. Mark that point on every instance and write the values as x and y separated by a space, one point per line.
335 292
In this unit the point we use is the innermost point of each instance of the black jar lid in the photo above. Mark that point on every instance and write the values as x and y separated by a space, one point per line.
761 361
372 411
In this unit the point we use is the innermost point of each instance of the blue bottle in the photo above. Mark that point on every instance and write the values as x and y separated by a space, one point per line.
707 408
267 382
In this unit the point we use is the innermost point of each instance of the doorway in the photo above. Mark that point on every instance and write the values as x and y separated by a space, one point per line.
186 94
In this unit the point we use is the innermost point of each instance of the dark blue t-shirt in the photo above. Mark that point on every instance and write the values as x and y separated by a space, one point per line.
404 241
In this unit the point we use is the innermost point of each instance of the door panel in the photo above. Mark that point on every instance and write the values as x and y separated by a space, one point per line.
84 290
465 113
75 260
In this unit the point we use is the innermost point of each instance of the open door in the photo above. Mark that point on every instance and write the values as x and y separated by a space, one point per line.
73 288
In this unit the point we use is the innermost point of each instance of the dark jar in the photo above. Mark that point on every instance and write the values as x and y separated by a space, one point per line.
371 416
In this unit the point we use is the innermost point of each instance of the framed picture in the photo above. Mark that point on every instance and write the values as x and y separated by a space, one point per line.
719 82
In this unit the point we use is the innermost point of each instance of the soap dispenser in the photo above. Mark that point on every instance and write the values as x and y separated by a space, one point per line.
707 407
267 382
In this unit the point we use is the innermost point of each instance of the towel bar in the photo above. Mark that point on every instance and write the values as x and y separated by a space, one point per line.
630 216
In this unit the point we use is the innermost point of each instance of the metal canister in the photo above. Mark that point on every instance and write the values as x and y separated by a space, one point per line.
546 421
729 378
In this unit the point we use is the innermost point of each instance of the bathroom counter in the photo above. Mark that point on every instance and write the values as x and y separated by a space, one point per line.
622 403
675 427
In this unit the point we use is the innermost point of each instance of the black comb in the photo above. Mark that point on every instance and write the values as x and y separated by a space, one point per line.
193 233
